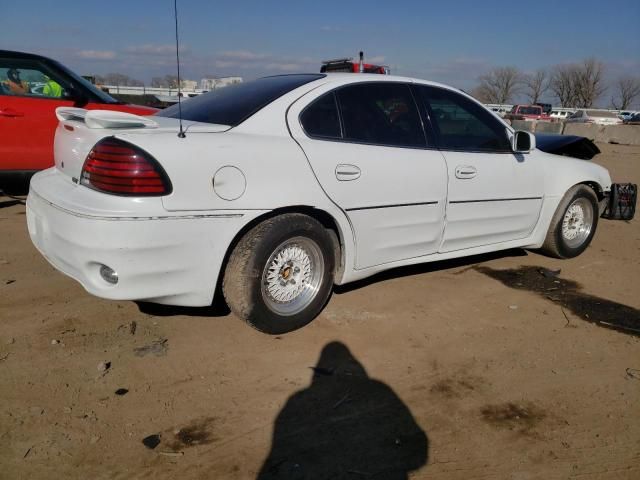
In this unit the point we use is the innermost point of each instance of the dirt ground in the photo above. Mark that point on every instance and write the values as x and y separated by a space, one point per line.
488 367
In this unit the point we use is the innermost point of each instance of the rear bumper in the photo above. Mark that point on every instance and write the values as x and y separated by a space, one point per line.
171 260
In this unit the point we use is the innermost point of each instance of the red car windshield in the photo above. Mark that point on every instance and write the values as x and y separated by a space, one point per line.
530 110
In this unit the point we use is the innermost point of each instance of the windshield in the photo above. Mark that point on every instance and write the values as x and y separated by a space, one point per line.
103 96
233 104
530 110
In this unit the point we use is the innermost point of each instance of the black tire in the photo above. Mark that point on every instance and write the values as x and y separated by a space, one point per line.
566 245
275 259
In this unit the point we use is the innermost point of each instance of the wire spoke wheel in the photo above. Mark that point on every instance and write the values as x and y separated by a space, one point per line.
292 276
280 274
577 222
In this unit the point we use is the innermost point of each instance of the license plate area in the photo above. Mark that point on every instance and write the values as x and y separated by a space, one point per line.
621 204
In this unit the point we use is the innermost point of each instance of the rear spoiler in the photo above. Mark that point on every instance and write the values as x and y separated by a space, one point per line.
104 118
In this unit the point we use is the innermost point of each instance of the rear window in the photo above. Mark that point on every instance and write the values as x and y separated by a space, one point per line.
598 113
233 104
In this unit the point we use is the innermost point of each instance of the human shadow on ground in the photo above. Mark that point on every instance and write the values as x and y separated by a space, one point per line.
345 425
568 294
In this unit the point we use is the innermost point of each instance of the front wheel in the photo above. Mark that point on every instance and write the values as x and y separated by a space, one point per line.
280 275
574 223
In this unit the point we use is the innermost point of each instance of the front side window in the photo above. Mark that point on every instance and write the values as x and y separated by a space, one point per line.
26 78
380 113
461 124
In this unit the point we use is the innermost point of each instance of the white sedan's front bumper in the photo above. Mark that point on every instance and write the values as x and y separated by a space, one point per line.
171 259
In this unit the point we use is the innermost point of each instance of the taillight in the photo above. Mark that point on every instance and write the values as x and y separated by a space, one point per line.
116 166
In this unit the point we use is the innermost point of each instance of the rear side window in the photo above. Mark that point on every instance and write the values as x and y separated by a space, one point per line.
233 104
380 113
462 124
321 119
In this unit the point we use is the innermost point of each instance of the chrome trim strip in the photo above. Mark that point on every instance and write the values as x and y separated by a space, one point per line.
390 206
496 200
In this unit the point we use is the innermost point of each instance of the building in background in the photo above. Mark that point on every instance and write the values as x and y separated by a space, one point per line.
188 84
209 84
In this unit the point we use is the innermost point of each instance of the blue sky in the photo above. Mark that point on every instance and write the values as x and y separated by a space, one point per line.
451 42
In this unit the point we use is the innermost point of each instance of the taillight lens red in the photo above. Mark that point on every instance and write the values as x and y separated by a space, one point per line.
116 166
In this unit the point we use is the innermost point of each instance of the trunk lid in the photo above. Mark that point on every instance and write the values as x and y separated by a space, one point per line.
79 130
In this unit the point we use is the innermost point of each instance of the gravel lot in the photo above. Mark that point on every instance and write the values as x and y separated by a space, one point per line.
485 367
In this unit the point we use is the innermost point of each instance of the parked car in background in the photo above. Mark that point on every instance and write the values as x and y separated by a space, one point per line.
546 107
626 115
598 117
288 184
560 114
633 120
527 112
501 111
31 88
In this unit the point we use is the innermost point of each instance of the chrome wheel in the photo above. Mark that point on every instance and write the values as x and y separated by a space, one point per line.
577 222
292 276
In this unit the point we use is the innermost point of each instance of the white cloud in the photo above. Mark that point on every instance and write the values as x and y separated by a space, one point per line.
96 54
154 49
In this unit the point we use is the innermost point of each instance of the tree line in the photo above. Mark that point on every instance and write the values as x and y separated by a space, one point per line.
577 85
120 79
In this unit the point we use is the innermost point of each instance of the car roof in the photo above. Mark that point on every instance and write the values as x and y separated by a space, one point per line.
376 77
14 54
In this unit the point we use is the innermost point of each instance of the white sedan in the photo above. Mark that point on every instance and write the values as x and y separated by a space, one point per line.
598 117
279 188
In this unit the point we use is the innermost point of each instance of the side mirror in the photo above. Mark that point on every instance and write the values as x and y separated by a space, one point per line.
523 142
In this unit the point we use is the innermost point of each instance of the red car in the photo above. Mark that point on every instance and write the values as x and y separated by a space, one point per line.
31 88
527 112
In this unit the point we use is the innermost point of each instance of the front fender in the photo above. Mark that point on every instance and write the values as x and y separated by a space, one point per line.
565 172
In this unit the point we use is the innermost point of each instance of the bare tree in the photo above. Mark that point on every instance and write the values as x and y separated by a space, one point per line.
628 89
168 81
480 94
121 79
589 80
563 84
500 84
536 85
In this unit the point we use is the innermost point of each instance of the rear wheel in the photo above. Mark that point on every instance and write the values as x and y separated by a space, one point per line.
280 274
574 223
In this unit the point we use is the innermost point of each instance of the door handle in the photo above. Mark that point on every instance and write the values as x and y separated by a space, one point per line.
10 112
466 171
345 172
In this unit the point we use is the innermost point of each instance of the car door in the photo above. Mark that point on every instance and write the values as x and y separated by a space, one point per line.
29 95
367 147
494 194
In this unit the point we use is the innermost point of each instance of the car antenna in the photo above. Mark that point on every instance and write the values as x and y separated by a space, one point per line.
181 134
